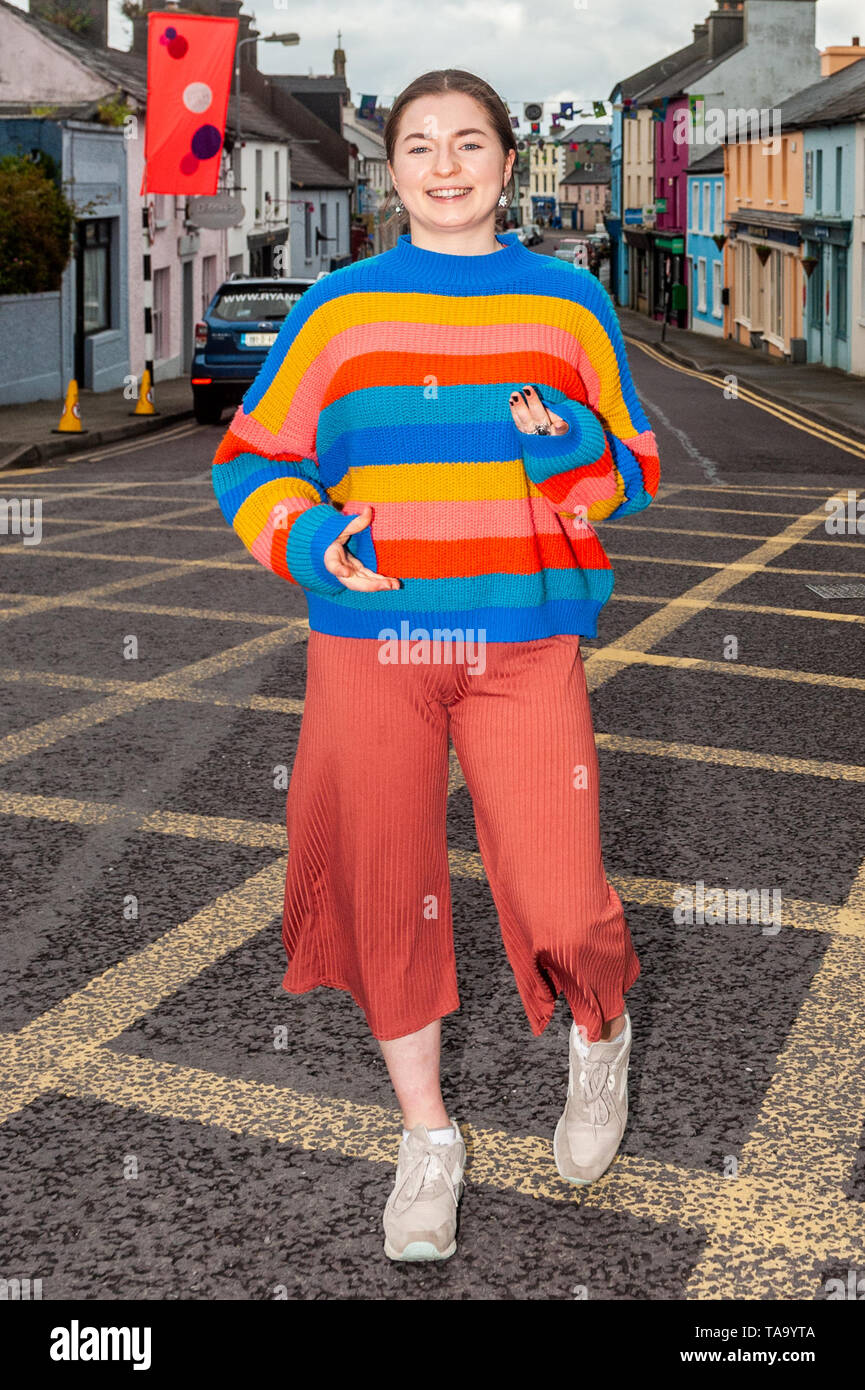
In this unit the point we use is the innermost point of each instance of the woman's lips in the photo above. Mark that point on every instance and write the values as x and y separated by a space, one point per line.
450 198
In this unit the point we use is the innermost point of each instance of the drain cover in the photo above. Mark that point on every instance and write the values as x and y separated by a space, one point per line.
838 590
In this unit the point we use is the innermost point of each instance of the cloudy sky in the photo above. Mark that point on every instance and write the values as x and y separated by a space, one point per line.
553 50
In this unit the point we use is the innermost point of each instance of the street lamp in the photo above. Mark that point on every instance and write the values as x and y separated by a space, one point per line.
287 40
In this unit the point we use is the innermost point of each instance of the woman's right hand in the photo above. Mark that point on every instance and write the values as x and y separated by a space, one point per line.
347 568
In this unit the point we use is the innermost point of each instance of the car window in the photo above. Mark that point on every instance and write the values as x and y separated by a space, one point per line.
245 306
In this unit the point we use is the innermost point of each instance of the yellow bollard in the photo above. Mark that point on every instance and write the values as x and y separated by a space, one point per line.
145 397
70 420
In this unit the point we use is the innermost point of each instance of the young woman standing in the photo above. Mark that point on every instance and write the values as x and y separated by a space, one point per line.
423 452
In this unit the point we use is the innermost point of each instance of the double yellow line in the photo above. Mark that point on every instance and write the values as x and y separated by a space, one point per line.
781 412
131 446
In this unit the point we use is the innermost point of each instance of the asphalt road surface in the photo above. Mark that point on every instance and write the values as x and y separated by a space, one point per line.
175 1126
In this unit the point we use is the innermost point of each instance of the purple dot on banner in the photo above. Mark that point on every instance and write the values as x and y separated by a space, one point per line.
206 141
171 33
188 164
177 47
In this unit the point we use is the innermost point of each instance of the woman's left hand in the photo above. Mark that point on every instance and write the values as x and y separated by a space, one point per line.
528 410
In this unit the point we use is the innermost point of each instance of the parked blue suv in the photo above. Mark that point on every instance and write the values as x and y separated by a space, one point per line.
239 327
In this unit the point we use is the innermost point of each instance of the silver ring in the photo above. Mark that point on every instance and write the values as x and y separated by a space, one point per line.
541 429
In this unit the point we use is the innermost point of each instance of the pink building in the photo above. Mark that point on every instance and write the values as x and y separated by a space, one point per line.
187 265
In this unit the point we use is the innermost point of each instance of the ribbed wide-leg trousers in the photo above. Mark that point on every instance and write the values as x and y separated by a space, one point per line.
367 894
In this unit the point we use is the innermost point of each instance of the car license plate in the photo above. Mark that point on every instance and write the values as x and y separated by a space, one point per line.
259 339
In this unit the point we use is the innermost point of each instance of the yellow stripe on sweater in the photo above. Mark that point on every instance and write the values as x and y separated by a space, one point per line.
251 516
436 482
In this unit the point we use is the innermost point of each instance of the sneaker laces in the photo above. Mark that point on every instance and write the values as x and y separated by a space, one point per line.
595 1079
424 1170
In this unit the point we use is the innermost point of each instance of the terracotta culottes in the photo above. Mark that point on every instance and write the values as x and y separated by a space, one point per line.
367 895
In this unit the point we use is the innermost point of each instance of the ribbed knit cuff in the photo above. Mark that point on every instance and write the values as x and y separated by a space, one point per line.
545 455
310 535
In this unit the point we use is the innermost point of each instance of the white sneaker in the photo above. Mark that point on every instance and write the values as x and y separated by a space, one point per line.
590 1130
420 1216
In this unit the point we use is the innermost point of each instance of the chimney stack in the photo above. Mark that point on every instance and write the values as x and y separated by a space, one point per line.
726 27
840 56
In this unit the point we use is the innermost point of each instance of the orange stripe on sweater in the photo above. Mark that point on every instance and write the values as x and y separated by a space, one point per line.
418 559
449 369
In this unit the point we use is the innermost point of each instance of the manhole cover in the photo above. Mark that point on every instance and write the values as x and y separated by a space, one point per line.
838 590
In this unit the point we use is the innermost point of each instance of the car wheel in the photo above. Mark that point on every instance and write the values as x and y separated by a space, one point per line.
208 406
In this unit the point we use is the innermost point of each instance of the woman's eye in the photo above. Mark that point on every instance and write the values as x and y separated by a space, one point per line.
469 145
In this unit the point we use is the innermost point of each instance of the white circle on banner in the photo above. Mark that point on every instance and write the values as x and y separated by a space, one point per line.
197 97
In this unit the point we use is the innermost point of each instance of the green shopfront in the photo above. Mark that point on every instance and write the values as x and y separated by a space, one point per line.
670 293
828 295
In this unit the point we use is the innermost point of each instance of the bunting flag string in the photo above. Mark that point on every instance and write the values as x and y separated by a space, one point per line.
567 110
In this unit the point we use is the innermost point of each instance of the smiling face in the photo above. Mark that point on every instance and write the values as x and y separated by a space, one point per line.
447 142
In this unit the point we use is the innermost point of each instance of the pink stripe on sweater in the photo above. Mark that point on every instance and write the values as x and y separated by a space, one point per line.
450 521
589 490
297 432
281 513
456 340
645 444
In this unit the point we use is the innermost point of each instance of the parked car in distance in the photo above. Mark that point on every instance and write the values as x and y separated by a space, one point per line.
233 338
521 234
569 248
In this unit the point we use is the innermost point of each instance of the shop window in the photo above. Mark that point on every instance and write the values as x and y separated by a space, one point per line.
701 284
161 292
745 281
95 249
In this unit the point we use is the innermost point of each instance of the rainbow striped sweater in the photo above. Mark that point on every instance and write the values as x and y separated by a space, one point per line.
388 385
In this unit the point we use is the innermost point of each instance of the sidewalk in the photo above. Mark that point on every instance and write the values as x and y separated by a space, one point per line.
829 396
25 430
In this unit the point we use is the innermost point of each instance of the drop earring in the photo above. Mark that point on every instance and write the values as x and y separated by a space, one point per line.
503 199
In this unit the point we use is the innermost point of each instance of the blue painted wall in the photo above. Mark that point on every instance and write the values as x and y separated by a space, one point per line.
38 364
828 326
699 245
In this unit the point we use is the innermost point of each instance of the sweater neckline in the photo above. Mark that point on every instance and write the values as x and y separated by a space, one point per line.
440 267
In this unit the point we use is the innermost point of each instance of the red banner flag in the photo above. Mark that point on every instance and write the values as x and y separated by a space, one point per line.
189 64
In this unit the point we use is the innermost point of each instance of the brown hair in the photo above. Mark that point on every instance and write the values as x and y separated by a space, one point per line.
435 84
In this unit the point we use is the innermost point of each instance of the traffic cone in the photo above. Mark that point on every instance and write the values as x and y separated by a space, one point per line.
70 420
145 404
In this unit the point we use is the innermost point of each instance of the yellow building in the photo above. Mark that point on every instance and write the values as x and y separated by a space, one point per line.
638 195
546 169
